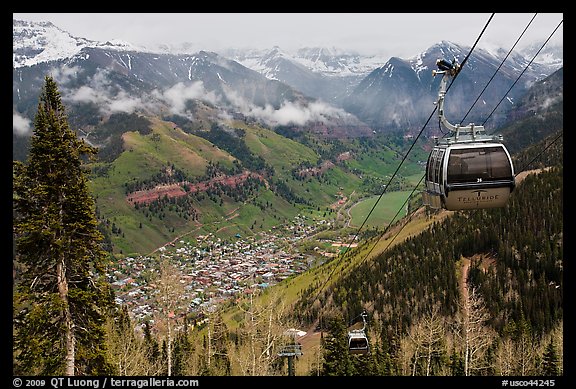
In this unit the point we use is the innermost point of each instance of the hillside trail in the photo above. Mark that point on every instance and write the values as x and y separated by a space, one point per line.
173 241
465 268
310 333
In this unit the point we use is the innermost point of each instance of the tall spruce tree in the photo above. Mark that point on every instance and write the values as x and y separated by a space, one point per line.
337 360
550 360
61 297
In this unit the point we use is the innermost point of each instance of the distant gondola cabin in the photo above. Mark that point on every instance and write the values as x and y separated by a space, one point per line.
358 342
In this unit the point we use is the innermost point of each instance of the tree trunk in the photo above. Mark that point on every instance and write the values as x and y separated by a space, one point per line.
415 364
466 352
70 338
169 348
209 347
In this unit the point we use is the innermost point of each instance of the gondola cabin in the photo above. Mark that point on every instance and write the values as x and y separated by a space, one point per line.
468 175
358 342
467 169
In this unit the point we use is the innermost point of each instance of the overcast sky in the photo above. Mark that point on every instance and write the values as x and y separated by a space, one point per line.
397 34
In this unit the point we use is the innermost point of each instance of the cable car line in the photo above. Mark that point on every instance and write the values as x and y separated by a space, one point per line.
469 53
525 68
540 153
501 64
376 203
560 134
398 168
407 219
423 177
468 169
421 131
462 65
473 47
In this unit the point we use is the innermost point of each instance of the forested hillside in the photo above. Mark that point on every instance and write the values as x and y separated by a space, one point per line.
421 272
510 259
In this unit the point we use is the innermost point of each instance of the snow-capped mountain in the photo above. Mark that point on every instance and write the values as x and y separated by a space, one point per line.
545 54
400 95
324 61
116 80
389 95
102 72
323 73
195 90
38 42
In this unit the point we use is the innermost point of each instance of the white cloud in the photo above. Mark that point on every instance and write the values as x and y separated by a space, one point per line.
64 74
86 94
20 124
549 101
102 93
124 103
289 112
109 99
179 94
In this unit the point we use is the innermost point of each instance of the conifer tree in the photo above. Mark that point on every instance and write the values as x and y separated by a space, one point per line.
182 351
550 360
456 364
61 297
337 361
152 349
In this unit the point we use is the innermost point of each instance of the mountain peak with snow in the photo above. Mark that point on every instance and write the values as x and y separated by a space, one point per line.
37 42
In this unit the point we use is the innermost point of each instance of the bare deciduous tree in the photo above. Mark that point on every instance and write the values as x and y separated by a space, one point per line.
425 342
476 335
168 299
261 336
125 347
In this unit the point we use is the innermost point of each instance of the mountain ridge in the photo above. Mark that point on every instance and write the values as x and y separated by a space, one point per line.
109 92
319 84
